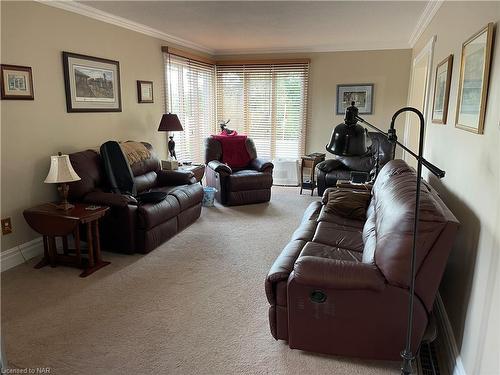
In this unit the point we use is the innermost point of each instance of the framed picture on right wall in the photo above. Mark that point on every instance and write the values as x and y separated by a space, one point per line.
473 80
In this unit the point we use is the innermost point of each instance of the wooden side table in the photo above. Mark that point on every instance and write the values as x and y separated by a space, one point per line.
51 222
309 162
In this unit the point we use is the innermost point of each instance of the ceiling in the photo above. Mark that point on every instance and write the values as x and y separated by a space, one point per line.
234 27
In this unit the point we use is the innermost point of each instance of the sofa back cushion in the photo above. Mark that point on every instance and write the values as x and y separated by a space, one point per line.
213 149
388 231
144 171
87 164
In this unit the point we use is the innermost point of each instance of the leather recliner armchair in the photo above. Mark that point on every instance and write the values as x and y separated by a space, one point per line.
251 184
340 168
129 226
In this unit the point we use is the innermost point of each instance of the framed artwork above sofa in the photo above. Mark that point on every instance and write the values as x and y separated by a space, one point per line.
92 84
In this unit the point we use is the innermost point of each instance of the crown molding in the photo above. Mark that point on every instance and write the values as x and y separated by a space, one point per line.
87 11
329 48
424 20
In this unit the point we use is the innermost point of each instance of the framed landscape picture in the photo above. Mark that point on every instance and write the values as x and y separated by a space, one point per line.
92 84
442 91
16 82
145 91
473 80
361 94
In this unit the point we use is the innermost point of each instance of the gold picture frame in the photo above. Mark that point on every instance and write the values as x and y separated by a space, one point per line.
473 80
442 85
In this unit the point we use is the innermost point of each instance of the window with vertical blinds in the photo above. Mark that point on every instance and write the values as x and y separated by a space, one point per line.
267 102
191 95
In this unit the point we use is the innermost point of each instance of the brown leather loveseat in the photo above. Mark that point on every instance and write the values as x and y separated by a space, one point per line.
131 227
341 285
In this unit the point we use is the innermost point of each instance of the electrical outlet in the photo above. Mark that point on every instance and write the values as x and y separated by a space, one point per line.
6 226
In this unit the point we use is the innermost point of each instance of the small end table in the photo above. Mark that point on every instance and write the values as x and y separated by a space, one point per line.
309 162
52 222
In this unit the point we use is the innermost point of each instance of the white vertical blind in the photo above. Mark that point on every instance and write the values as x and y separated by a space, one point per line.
191 95
268 102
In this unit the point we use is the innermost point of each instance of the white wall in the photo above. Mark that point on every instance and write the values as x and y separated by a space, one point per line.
471 188
34 34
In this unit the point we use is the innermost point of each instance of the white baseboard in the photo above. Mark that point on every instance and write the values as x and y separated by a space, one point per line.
13 257
452 354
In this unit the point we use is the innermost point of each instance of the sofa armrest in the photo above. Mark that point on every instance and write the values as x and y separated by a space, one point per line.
109 199
175 177
220 167
282 267
261 165
329 165
337 274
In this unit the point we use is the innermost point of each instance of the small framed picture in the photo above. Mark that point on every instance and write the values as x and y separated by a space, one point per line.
442 91
16 82
145 91
360 94
473 81
92 84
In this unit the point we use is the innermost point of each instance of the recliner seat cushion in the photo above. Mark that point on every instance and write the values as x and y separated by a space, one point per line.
249 180
187 195
330 252
152 214
332 234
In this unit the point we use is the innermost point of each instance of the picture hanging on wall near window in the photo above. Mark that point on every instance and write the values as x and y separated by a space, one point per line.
145 91
361 94
16 82
92 84
473 80
442 91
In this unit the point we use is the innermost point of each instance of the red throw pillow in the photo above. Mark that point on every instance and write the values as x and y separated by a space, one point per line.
234 151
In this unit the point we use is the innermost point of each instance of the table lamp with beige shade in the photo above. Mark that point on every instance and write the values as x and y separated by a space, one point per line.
61 172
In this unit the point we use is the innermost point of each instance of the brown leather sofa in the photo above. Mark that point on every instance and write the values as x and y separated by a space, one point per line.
251 184
131 227
328 172
341 285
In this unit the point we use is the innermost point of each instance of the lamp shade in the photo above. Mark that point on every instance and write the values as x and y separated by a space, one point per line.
170 123
61 170
348 138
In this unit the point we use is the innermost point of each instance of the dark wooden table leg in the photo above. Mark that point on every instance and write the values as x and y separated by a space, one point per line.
95 261
78 250
45 259
65 244
90 243
52 251
97 244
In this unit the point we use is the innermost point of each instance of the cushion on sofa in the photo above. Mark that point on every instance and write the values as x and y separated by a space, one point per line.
187 195
335 235
351 204
330 252
151 214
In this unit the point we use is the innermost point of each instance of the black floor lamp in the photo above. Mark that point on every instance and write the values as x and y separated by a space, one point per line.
349 139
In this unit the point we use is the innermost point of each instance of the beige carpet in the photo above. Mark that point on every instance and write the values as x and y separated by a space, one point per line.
196 305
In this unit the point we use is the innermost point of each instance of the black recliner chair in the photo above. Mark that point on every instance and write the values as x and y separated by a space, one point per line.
340 168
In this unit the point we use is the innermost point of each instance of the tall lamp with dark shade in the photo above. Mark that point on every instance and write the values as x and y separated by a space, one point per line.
170 123
350 139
